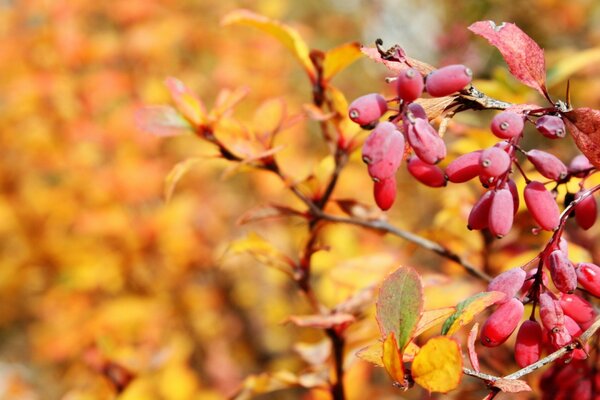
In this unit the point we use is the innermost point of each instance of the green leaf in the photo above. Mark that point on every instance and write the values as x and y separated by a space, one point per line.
400 305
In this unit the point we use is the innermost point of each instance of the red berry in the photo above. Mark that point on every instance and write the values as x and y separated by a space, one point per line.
541 205
577 308
551 126
493 162
512 186
553 319
547 164
383 151
501 213
464 168
580 166
409 85
507 124
562 271
478 218
425 141
502 323
508 282
427 174
530 278
586 211
416 111
367 109
588 276
385 192
447 80
528 346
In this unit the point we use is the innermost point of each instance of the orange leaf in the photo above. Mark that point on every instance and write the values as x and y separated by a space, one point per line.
432 318
392 359
438 365
190 106
286 35
339 58
512 385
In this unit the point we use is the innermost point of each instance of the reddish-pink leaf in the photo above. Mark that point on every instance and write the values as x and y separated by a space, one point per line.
321 321
512 385
471 346
524 57
397 65
584 125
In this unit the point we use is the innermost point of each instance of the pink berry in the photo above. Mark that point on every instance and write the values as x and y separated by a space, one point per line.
501 213
577 308
507 124
427 174
547 164
509 282
383 151
464 168
586 211
502 323
528 345
588 276
493 162
580 166
541 205
409 85
367 109
562 271
425 141
384 192
447 80
479 216
512 186
551 126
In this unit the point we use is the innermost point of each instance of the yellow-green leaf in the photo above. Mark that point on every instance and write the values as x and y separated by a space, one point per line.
288 36
431 318
339 58
467 309
438 365
392 359
571 64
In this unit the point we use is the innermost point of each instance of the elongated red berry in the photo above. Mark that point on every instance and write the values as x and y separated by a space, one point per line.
367 109
425 141
447 80
586 211
502 323
409 85
588 276
562 271
577 308
384 192
464 167
383 151
551 126
512 186
493 162
553 319
427 174
509 282
416 111
580 166
547 164
528 345
478 218
507 124
501 214
541 205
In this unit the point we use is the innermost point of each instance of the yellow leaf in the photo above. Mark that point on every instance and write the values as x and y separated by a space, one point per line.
176 173
373 353
432 318
392 359
438 366
339 58
190 106
468 309
286 35
571 64
226 100
262 251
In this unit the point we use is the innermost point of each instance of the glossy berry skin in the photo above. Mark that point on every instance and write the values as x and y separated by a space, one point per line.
448 80
501 214
409 85
541 205
425 141
588 276
509 282
562 271
507 125
493 162
586 211
367 109
528 345
464 167
547 164
427 174
502 323
479 215
383 151
385 193
580 166
577 308
551 126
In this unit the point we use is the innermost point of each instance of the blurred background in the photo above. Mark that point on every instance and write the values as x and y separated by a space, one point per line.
106 286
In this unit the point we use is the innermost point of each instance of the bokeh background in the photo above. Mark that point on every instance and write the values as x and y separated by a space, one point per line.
100 277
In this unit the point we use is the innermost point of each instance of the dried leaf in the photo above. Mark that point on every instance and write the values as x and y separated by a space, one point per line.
400 304
339 58
512 385
431 318
584 125
321 321
268 212
434 107
438 365
524 57
288 36
471 346
190 106
161 121
397 66
467 309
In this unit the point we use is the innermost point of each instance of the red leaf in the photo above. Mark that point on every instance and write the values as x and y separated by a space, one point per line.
524 57
584 125
471 347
